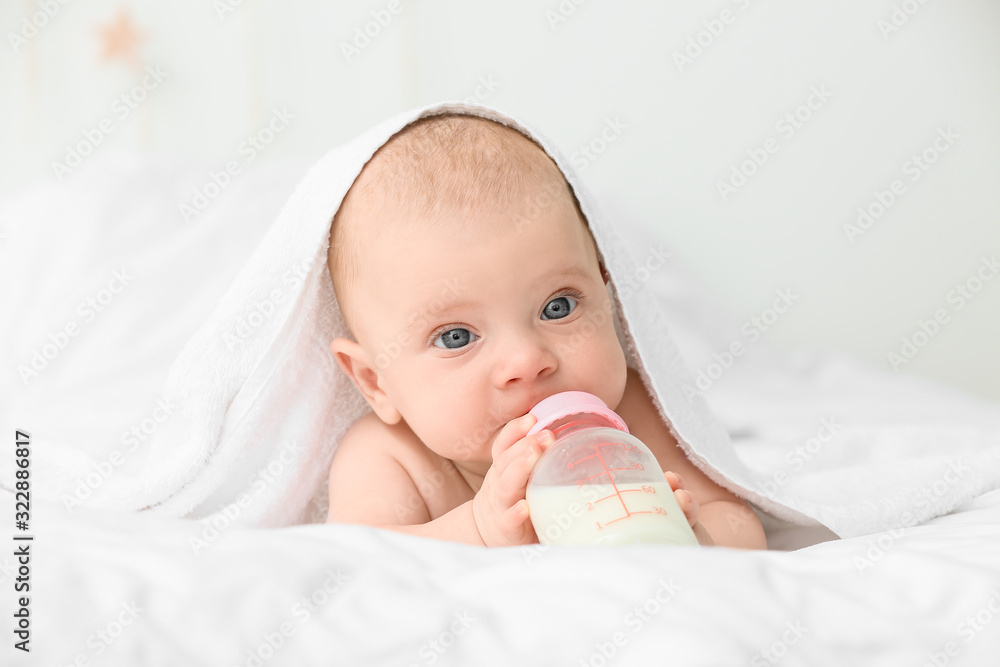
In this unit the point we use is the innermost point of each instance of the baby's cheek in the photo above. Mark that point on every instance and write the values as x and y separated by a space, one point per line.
615 373
464 447
467 442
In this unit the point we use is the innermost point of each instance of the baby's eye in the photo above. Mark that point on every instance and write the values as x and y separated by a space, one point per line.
453 339
558 308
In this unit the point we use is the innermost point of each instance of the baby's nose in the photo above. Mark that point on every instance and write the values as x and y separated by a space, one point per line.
524 359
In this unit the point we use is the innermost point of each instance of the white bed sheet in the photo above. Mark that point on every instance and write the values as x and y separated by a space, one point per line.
903 597
354 595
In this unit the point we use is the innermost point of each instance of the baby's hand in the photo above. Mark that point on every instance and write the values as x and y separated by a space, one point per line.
690 506
499 508
685 499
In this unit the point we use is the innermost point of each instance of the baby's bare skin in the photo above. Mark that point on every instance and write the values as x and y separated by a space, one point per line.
428 495
474 307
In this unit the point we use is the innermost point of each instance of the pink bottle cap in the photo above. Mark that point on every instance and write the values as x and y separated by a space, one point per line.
568 403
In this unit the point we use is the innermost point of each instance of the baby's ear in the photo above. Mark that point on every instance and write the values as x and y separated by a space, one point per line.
353 359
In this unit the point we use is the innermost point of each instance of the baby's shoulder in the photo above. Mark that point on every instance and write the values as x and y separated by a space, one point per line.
372 442
638 409
378 439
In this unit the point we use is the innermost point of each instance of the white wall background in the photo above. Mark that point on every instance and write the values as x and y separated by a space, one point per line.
897 72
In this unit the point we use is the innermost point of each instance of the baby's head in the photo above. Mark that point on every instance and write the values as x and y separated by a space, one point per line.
471 285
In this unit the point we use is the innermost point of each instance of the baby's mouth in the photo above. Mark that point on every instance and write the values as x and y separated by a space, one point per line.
536 400
524 407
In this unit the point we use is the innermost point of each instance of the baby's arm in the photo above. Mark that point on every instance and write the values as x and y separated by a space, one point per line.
717 516
369 485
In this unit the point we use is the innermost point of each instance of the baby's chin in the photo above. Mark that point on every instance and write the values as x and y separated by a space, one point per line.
474 457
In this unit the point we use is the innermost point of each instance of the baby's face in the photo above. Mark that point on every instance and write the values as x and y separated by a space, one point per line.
470 322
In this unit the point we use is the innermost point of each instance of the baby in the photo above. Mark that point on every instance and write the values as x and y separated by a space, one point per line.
473 289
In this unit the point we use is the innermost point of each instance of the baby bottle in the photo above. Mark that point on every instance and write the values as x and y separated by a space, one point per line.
598 484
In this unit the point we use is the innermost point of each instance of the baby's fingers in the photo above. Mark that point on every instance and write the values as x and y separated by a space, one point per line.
515 517
685 499
688 504
514 467
675 481
512 432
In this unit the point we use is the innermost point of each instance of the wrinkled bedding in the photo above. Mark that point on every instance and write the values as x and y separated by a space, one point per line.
122 588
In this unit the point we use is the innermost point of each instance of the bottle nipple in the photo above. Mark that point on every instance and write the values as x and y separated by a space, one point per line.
566 403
